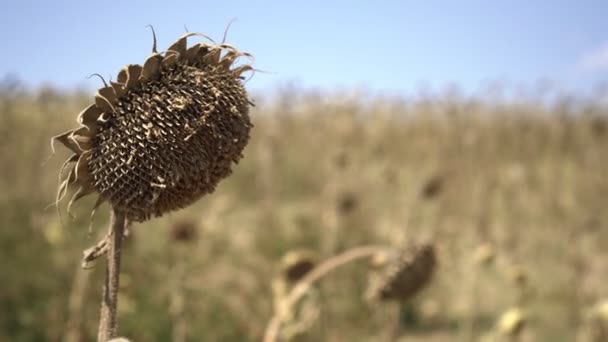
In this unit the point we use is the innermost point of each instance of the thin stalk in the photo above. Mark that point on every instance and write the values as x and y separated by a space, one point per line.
274 325
108 322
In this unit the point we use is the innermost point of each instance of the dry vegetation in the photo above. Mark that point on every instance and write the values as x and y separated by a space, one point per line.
513 194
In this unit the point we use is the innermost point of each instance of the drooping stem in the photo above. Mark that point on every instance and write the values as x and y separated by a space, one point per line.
274 325
108 322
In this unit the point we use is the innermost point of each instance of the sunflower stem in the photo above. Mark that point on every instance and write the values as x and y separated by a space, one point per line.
303 285
108 321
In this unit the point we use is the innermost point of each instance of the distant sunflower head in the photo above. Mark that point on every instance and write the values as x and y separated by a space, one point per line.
297 263
183 231
408 273
163 134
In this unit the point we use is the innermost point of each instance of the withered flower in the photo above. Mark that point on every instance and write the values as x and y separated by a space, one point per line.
164 134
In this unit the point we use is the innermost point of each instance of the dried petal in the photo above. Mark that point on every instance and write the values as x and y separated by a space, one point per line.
151 69
105 99
64 138
170 59
82 138
228 59
119 88
212 57
89 115
123 75
192 52
241 69
133 73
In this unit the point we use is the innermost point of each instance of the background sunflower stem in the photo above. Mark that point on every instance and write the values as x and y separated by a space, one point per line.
108 322
274 325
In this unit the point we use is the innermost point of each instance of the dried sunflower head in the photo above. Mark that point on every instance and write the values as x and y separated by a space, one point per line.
297 263
164 134
410 272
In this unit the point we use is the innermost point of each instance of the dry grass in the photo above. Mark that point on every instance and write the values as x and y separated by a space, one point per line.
329 173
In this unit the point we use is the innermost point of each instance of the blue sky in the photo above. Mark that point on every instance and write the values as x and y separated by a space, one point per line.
380 45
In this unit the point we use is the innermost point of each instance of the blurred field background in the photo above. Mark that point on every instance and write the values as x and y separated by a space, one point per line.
522 177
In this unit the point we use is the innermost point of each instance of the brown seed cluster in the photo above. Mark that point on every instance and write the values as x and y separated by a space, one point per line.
297 263
409 273
164 134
